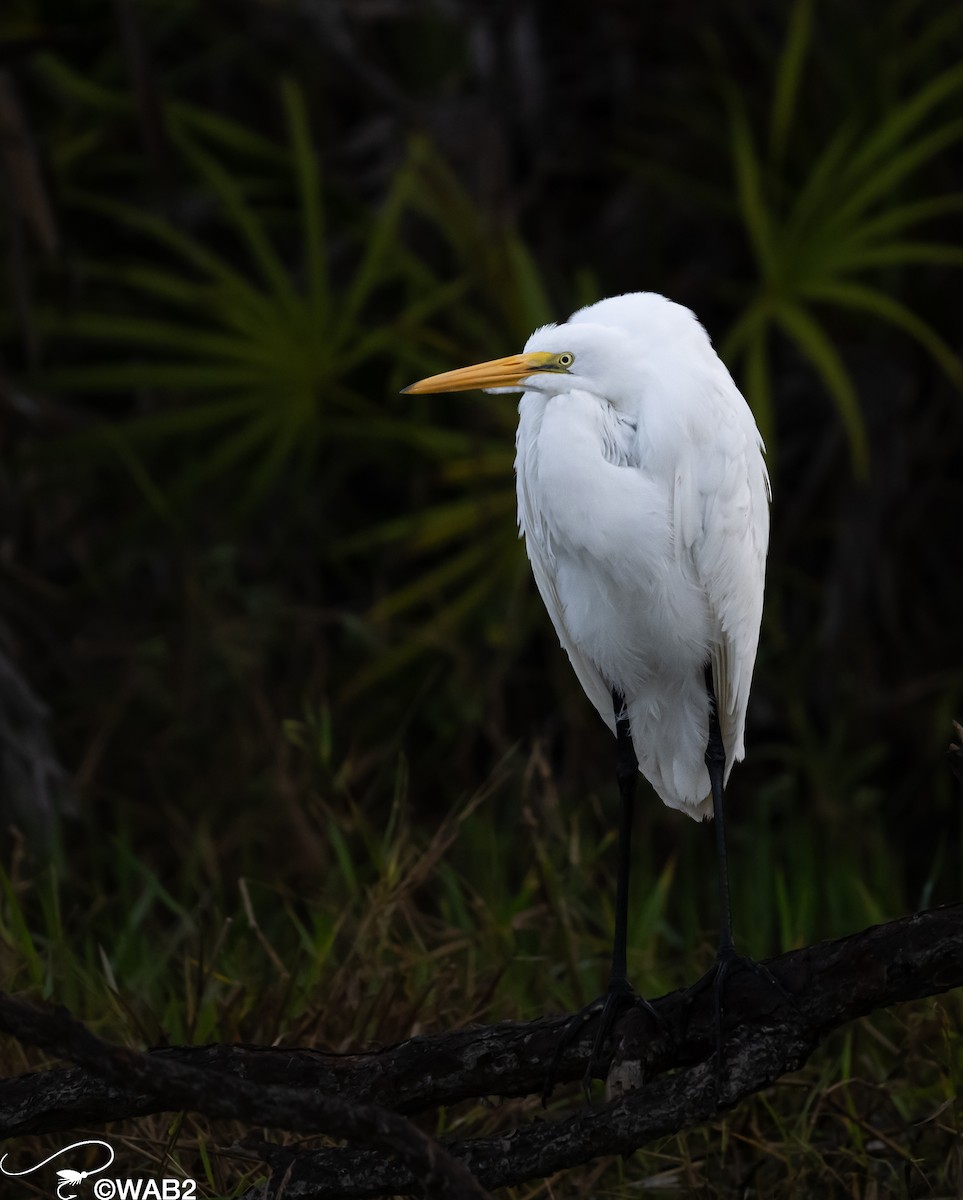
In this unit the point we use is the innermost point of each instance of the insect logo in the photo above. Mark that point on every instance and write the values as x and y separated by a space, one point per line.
67 1178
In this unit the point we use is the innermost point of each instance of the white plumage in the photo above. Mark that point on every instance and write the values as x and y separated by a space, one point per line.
643 501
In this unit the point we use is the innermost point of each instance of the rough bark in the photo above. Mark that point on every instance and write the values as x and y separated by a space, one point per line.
360 1097
181 1086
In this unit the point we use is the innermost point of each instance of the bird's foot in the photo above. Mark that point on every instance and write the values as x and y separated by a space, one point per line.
726 963
617 997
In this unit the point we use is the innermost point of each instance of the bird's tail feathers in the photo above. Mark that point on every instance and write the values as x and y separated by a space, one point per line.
670 744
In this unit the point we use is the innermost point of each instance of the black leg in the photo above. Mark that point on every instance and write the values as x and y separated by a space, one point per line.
727 957
619 994
716 764
626 772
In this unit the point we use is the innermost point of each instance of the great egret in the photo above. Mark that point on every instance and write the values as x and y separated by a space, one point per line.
643 499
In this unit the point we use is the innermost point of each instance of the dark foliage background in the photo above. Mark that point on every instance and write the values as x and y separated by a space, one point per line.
277 614
287 746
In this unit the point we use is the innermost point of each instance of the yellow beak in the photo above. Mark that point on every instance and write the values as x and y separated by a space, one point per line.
499 372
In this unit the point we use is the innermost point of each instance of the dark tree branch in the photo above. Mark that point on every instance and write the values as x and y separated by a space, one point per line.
832 983
755 1058
193 1089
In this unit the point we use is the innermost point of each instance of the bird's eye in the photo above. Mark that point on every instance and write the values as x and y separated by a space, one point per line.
566 359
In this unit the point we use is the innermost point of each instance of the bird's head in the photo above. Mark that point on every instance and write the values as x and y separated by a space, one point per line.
606 349
556 358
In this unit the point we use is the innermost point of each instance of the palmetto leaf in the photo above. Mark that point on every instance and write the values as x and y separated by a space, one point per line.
505 298
897 124
147 332
467 563
432 527
854 257
309 191
270 341
809 335
138 375
811 196
193 419
193 252
905 216
889 173
433 634
788 77
248 226
757 382
847 218
866 299
752 201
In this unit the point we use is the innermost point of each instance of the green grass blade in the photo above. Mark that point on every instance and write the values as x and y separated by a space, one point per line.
651 915
17 934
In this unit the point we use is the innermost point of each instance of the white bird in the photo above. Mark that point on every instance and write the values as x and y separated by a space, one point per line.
643 499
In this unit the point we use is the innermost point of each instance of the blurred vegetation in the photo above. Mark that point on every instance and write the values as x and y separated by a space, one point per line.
318 737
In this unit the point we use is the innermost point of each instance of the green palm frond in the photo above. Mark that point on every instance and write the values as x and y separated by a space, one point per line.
811 338
504 296
256 350
850 216
788 78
